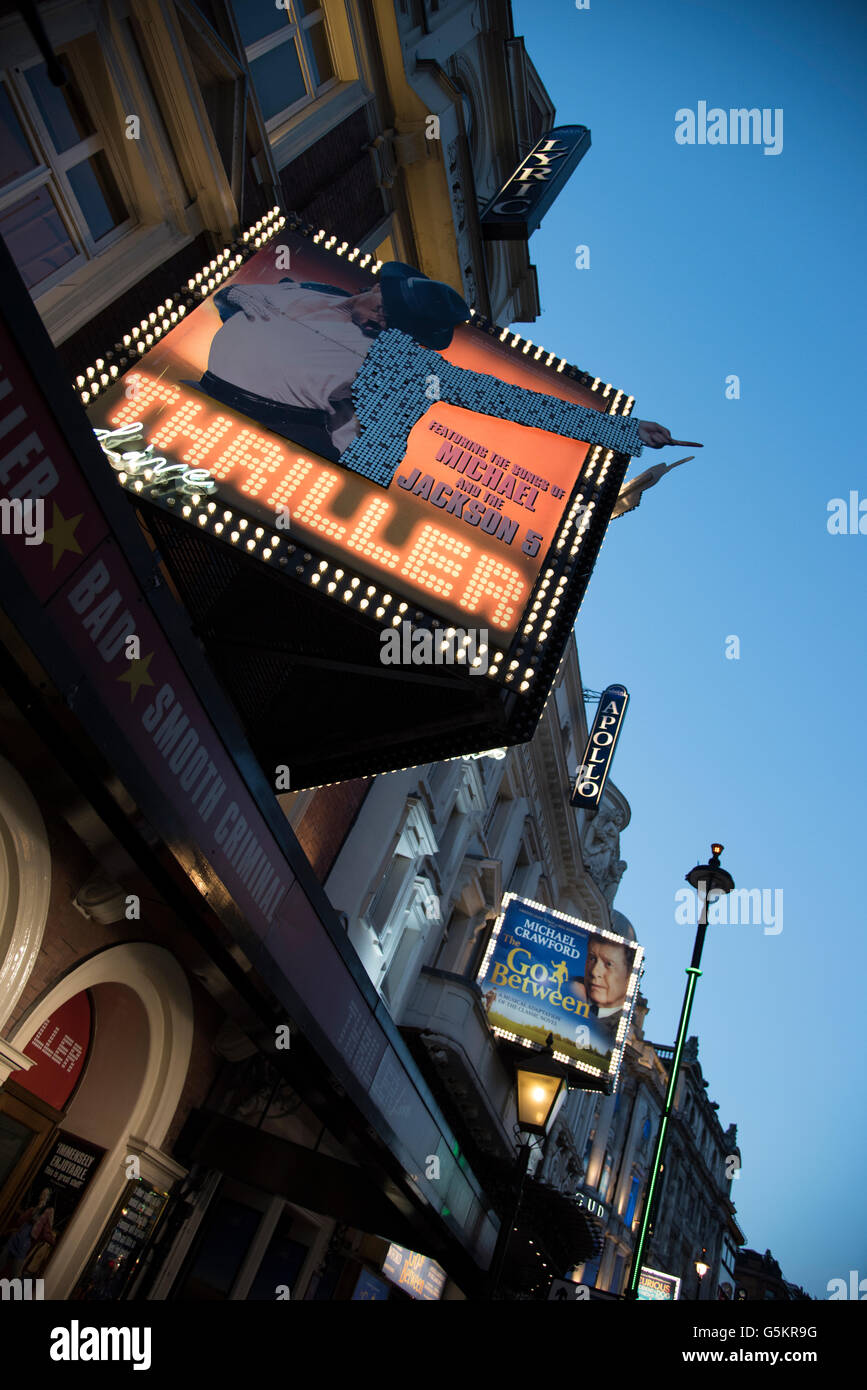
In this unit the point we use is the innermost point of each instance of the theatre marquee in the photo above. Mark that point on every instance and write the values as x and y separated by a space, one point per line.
376 585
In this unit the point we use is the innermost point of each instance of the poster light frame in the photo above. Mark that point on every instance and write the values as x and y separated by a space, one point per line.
586 1076
658 1274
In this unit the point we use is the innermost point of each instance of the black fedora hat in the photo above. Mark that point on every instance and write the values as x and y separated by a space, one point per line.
426 309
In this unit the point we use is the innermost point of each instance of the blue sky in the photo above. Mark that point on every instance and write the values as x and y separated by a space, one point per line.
707 261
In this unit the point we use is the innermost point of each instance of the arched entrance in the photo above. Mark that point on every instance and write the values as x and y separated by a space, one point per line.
25 887
108 1134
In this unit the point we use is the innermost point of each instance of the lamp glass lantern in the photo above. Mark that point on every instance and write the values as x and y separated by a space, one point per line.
539 1099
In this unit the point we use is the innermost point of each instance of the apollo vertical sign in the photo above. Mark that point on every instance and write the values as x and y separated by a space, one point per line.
521 203
593 772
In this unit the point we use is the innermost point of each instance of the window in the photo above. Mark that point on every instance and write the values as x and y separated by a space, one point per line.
394 882
60 200
281 1263
288 54
454 836
635 1187
591 1134
413 10
605 1179
221 83
395 976
228 1230
590 1271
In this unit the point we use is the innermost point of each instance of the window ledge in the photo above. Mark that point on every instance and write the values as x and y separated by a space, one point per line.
297 134
69 306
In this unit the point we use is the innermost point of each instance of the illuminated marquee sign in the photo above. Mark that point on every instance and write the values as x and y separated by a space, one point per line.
655 1286
591 1203
521 203
417 1275
546 974
211 414
599 753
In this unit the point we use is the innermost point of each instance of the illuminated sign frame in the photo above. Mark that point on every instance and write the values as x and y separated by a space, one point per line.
592 1078
517 210
522 663
591 1203
417 1275
593 771
671 1279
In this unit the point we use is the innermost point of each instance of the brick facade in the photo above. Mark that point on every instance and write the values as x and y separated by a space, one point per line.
333 184
327 822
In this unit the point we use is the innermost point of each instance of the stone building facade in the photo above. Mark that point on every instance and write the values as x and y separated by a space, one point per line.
418 881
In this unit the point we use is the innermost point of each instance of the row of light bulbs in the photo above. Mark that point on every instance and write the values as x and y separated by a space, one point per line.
540 351
566 564
329 243
162 319
559 1056
237 531
606 462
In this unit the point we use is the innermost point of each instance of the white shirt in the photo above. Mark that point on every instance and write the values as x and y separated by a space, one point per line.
306 355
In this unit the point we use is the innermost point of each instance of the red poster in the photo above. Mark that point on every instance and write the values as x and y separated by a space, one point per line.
59 1049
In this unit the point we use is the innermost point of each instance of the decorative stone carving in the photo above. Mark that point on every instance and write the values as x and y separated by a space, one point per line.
601 850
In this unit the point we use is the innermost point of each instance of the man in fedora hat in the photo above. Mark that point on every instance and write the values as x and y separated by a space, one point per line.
346 375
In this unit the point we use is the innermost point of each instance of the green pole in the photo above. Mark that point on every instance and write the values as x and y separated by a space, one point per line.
692 974
705 878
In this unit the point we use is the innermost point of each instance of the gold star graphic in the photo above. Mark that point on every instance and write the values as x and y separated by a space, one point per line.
61 534
138 675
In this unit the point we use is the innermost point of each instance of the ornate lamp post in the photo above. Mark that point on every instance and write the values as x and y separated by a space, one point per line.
706 879
541 1089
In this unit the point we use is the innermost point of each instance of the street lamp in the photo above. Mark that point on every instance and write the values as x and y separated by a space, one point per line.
701 1268
539 1098
707 879
541 1090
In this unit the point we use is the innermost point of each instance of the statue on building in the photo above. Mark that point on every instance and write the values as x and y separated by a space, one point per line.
601 849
